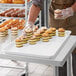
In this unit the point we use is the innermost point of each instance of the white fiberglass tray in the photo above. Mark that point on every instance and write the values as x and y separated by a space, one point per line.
41 49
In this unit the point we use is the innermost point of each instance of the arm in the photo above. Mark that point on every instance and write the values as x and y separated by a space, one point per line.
34 10
74 7
33 13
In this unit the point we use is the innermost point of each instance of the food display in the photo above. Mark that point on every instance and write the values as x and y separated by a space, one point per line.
13 1
24 39
18 1
32 40
18 42
53 31
37 35
61 32
2 32
13 13
13 24
29 33
45 37
42 34
14 31
49 32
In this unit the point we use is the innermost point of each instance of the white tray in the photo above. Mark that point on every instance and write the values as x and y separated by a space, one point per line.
41 49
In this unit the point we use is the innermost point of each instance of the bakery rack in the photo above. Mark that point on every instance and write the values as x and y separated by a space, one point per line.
4 6
20 6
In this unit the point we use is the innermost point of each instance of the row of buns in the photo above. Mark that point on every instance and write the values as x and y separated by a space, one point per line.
13 23
13 1
33 36
13 13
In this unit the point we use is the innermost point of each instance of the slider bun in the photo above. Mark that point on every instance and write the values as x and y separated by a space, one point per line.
36 34
57 11
61 29
33 37
45 35
29 30
18 40
53 29
2 29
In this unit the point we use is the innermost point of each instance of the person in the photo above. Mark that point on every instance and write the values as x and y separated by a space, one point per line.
67 8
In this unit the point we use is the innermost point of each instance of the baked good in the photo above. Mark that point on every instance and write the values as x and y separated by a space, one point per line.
58 11
4 1
24 39
43 28
49 32
41 31
29 33
6 30
18 42
14 31
53 31
45 37
32 40
18 1
2 32
37 35
61 32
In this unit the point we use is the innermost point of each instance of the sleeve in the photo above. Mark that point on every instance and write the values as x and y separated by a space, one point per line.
38 3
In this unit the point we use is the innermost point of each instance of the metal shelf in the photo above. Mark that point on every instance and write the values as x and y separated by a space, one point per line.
7 5
13 17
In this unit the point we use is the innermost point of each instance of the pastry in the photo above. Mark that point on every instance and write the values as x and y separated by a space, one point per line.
24 39
6 30
18 1
41 31
14 31
2 32
32 40
45 37
18 42
43 28
58 11
53 31
61 32
49 32
29 33
37 35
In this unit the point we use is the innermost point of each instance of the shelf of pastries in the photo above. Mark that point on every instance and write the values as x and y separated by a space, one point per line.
13 12
14 1
13 25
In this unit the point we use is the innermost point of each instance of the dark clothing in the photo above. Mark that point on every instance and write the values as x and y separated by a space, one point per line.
38 3
68 24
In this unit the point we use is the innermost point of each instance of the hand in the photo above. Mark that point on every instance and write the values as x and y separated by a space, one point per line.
29 25
64 13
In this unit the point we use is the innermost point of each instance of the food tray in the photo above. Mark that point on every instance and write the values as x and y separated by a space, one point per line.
41 49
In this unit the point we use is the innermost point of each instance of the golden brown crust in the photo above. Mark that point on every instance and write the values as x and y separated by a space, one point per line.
48 31
33 37
18 40
28 30
14 28
2 29
61 30
45 35
36 34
